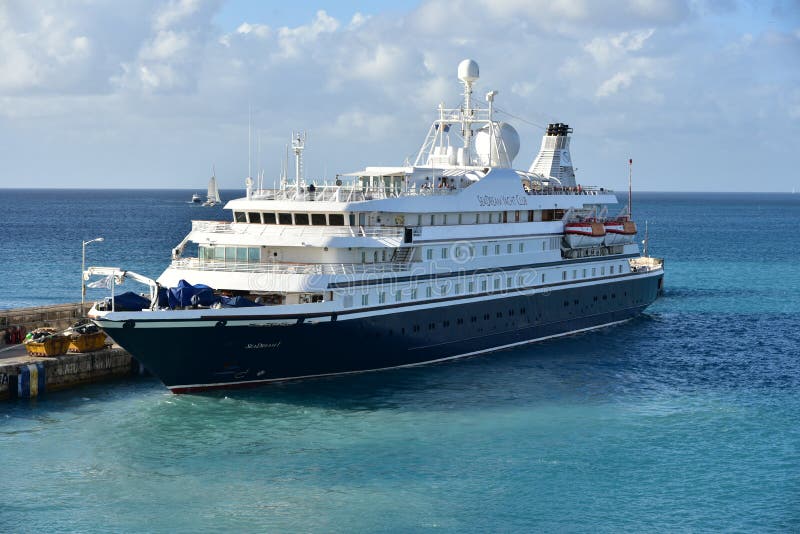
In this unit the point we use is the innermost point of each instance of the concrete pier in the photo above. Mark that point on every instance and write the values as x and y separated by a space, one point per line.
25 376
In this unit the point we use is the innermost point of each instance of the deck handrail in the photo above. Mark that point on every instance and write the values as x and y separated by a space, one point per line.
289 268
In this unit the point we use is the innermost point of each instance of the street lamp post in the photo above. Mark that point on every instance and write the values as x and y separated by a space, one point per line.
83 268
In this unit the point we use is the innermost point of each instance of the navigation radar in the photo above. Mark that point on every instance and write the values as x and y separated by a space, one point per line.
468 71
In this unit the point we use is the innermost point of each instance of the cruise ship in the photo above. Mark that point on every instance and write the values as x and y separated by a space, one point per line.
454 255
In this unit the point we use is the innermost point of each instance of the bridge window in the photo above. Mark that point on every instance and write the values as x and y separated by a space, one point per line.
301 218
254 217
336 219
284 218
268 218
318 219
240 216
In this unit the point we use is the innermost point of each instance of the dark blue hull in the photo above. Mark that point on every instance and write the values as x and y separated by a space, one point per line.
216 355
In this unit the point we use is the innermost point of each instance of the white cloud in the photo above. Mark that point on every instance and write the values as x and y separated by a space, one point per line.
611 69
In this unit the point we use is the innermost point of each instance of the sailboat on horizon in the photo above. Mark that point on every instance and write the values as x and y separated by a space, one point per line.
212 197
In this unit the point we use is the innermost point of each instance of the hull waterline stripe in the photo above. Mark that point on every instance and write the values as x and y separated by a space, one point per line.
198 387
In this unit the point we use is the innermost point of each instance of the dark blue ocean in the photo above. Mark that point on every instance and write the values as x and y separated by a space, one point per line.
686 419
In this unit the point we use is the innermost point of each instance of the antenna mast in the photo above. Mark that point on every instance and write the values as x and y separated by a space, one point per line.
249 181
467 73
298 144
630 190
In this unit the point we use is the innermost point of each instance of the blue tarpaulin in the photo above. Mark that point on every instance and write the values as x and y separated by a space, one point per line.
237 302
129 301
185 294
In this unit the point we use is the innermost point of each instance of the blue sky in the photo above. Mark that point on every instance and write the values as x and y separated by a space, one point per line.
703 94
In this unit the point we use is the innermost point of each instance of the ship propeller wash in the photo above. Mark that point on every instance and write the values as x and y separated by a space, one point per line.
455 255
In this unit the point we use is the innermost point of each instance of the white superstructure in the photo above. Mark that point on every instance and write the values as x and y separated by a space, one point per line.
459 205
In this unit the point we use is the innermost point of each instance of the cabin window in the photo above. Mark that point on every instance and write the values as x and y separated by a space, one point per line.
516 216
583 274
563 275
602 271
254 217
497 250
429 254
543 277
336 219
521 247
574 274
544 244
485 250
459 218
508 282
414 294
352 219
612 269
381 298
301 218
477 218
458 289
318 219
230 253
240 216
219 253
471 287
444 253
594 271
268 218
365 300
254 254
530 215
363 257
428 291
483 285
508 248
505 216
241 255
284 218
397 296
496 283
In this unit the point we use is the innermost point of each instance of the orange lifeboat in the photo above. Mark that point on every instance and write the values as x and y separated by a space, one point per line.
581 234
619 231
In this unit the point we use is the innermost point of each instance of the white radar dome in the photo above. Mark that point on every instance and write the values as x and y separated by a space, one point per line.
506 141
468 71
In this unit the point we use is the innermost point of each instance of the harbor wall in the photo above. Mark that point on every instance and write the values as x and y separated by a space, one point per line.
20 320
26 377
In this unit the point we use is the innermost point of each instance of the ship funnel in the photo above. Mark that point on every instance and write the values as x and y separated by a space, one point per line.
554 158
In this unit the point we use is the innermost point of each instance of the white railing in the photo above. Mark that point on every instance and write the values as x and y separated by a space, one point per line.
217 227
289 268
255 229
335 193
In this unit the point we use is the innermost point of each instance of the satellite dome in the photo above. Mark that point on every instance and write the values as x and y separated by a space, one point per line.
468 71
506 145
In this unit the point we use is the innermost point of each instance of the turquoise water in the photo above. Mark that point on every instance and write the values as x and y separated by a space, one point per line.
687 418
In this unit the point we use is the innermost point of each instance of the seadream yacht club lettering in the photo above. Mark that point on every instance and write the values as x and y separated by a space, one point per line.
504 200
